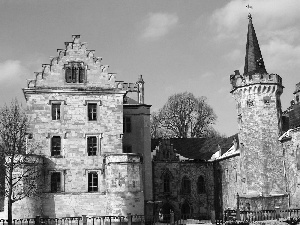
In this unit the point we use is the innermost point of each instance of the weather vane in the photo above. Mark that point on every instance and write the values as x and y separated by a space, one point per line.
249 14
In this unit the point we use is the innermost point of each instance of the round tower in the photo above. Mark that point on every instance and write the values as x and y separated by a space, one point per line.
257 94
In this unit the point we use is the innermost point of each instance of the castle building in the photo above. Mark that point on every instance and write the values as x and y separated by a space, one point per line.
99 159
94 139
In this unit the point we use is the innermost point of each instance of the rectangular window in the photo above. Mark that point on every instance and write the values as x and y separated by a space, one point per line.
92 111
127 149
92 182
56 111
55 182
92 145
55 145
69 75
126 124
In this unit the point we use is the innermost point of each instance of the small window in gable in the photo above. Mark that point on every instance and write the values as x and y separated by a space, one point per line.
75 72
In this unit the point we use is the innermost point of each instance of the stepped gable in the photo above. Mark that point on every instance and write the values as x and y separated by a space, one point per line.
91 72
197 148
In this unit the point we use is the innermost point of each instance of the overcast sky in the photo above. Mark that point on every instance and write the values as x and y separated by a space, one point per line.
187 45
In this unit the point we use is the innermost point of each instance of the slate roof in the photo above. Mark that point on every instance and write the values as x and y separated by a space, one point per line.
198 148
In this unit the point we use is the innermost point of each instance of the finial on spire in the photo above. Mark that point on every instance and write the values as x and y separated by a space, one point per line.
249 14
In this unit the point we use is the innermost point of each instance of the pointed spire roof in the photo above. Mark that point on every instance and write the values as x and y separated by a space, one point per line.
254 62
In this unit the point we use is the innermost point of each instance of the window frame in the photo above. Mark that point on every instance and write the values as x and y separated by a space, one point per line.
89 137
75 73
94 184
52 150
58 184
55 115
94 114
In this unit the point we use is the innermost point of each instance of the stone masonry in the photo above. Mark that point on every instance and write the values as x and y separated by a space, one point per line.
76 80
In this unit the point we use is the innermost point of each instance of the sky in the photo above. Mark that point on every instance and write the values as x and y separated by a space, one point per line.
177 45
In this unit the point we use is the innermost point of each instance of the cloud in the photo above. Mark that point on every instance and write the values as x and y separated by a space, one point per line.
276 23
12 79
10 70
271 14
159 25
207 74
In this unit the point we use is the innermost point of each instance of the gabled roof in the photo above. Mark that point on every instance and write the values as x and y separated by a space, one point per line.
198 148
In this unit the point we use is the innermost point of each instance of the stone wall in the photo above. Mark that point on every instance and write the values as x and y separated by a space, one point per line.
140 140
260 125
291 148
232 183
200 203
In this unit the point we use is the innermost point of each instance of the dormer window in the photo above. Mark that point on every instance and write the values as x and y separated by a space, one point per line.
75 72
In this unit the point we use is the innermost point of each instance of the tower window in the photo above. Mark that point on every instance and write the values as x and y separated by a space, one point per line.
267 100
55 145
126 124
92 145
92 111
56 111
250 103
75 72
55 182
92 182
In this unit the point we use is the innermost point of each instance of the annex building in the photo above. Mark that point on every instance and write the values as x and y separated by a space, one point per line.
99 158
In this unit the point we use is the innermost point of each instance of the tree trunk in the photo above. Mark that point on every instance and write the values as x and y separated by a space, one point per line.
9 211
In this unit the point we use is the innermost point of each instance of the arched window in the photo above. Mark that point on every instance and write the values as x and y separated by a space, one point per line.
167 180
186 185
200 185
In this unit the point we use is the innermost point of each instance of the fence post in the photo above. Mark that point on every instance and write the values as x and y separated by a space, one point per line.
238 215
129 218
213 216
172 218
37 220
84 220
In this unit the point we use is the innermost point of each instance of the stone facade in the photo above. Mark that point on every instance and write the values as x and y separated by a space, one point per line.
76 110
183 186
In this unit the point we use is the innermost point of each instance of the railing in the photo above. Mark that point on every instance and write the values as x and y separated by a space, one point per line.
261 215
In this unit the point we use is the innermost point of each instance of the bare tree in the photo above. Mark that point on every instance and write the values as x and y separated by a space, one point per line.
21 167
184 116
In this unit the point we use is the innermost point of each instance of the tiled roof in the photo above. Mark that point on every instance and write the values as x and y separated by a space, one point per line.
198 148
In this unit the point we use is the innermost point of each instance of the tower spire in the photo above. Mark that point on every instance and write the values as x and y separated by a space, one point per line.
254 62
